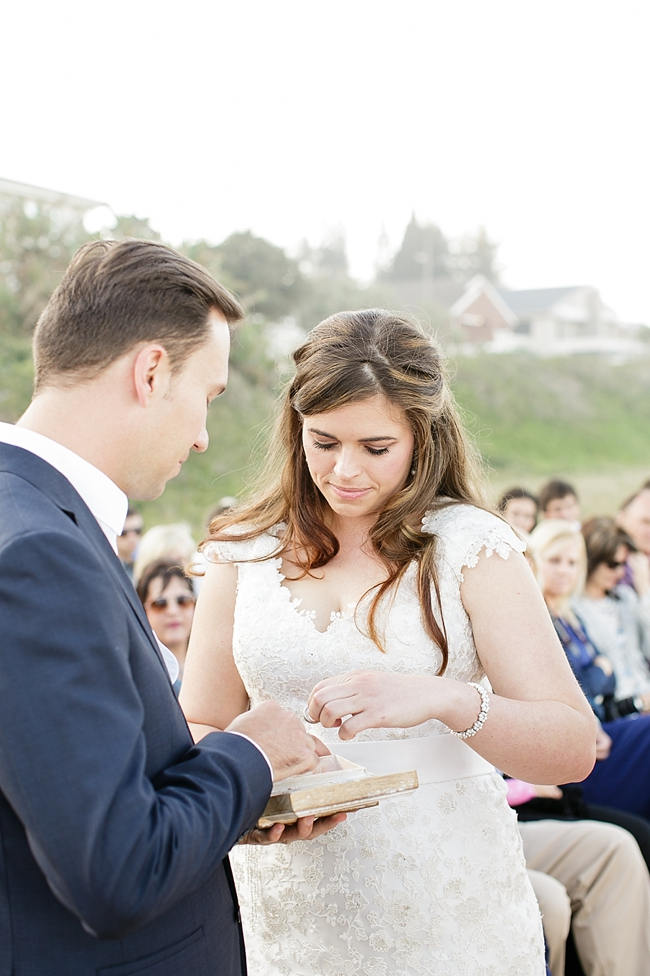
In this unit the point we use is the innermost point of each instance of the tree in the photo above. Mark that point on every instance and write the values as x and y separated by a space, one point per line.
422 256
37 241
127 225
476 255
428 258
267 281
328 258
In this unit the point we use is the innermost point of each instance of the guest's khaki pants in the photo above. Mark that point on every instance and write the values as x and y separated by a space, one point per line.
592 876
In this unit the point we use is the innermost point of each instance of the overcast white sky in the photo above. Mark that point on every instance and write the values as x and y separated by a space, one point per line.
290 117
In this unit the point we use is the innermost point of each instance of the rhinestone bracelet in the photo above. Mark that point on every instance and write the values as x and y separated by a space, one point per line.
480 718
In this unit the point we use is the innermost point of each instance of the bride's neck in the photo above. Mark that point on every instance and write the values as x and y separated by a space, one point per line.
352 534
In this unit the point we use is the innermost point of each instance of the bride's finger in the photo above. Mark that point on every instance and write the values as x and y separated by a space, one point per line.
353 725
334 680
333 692
337 711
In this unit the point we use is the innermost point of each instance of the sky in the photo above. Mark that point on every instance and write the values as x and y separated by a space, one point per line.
295 119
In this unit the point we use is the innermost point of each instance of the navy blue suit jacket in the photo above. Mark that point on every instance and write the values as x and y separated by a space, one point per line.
114 827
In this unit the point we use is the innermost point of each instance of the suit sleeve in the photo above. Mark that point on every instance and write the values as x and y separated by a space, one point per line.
117 846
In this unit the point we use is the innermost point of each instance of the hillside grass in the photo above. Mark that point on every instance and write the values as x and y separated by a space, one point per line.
582 418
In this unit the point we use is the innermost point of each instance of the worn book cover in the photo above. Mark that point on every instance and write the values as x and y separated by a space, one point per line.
336 785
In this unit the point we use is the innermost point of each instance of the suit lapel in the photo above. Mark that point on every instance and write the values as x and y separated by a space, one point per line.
58 489
91 528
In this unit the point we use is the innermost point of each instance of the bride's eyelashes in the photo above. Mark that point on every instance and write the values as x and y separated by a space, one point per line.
375 451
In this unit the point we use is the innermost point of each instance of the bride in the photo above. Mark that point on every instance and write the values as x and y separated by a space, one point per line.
364 588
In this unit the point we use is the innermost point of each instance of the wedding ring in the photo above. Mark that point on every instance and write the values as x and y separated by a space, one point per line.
307 717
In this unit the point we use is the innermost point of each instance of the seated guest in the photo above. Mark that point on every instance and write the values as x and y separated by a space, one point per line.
634 518
199 562
619 778
225 504
167 596
127 542
559 500
617 619
173 542
590 877
519 508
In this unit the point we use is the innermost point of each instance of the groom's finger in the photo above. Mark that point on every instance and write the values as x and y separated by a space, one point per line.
321 748
307 828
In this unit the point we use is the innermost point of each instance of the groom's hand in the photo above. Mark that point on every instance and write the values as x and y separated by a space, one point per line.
282 737
306 828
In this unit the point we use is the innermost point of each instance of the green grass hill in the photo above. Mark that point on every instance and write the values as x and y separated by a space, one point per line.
583 418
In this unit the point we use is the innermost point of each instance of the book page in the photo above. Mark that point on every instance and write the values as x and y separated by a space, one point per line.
330 769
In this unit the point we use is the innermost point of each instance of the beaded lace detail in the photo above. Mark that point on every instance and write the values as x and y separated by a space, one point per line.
429 884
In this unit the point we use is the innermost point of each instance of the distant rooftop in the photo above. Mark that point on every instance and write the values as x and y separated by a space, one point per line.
10 188
528 301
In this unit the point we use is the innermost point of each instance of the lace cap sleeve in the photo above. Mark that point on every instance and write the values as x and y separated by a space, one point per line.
236 550
464 532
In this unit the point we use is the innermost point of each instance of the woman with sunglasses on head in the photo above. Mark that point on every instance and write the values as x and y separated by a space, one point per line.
367 589
167 596
620 777
613 614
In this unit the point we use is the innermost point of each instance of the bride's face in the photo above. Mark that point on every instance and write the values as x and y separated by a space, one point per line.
358 455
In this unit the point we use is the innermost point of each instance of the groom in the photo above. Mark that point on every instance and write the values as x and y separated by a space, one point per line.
114 827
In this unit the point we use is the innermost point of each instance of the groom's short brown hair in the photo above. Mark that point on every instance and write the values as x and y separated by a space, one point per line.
116 294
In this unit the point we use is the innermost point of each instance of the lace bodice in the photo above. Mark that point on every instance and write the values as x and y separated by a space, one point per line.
432 884
462 533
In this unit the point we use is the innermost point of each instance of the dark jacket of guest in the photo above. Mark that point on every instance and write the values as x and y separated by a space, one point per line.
598 685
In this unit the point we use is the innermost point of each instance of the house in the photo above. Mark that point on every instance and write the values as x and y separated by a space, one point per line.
544 320
65 205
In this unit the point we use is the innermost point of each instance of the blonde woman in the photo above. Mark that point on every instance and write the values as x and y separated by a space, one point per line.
620 777
365 588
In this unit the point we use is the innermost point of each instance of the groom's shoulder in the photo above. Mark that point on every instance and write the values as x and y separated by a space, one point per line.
31 496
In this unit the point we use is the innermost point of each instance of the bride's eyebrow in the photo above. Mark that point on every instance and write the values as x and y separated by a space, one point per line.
321 433
385 437
362 440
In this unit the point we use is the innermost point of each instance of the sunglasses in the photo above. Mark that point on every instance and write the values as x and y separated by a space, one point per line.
614 564
131 532
185 600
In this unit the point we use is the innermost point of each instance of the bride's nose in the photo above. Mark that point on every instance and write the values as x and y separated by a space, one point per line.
347 463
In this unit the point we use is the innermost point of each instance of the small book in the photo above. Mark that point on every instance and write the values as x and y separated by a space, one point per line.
337 785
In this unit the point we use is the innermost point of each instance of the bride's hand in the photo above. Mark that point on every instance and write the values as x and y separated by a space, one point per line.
306 828
363 700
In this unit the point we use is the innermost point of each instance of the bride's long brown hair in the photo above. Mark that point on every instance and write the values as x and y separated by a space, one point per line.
348 357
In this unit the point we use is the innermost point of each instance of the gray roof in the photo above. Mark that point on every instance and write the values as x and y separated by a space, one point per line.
529 301
11 188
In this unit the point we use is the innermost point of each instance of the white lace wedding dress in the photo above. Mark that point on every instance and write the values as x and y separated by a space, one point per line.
431 883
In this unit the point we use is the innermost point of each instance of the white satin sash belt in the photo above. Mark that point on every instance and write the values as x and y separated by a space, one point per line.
435 757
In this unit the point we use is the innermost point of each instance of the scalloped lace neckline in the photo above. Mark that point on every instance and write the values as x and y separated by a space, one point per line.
296 603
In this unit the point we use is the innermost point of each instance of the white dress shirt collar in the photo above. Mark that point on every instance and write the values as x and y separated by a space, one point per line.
106 501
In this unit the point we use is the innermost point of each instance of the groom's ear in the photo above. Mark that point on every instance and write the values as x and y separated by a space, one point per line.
151 374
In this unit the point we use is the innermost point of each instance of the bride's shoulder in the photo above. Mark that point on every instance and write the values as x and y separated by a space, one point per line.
463 530
241 542
450 517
